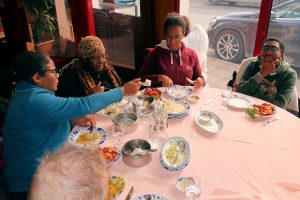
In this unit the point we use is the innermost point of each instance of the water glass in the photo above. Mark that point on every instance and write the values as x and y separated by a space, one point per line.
160 118
193 190
140 109
117 131
156 135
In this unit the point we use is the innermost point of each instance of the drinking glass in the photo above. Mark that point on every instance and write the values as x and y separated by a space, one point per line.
140 109
157 130
193 190
117 131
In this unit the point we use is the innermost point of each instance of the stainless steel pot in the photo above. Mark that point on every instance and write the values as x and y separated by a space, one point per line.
128 119
137 153
148 102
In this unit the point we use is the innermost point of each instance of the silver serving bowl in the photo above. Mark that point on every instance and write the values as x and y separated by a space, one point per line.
148 102
128 119
137 153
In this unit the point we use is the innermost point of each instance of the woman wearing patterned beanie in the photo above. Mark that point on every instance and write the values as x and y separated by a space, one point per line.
89 74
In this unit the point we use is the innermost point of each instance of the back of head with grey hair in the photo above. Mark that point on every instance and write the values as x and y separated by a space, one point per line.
71 173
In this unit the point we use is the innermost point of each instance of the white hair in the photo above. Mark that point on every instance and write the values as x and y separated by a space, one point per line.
71 173
198 40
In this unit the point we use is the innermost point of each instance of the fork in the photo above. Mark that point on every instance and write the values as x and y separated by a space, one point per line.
271 120
91 128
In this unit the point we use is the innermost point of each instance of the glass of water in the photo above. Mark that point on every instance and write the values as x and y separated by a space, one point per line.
192 190
117 131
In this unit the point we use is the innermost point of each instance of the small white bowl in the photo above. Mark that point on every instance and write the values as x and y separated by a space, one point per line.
204 118
193 98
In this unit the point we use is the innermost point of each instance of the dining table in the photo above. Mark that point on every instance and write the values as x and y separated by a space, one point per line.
245 160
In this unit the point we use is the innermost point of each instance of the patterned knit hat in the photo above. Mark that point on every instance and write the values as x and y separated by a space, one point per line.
90 46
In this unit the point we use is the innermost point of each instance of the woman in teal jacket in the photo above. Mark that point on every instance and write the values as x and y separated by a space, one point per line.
37 121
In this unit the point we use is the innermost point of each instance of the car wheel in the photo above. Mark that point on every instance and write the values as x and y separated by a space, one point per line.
229 46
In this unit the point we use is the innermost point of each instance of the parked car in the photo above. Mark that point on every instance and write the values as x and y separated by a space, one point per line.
233 2
250 2
233 36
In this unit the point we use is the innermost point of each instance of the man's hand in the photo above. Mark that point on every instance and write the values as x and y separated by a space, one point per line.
166 81
199 82
98 88
131 87
85 121
268 68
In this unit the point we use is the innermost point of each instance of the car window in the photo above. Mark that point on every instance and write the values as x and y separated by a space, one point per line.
290 10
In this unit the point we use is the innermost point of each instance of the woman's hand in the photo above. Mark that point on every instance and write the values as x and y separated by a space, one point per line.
98 88
166 81
131 87
199 82
85 121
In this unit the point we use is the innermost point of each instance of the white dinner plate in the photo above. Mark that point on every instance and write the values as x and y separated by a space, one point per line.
118 152
238 101
176 108
97 137
111 111
209 121
177 91
170 158
118 183
153 197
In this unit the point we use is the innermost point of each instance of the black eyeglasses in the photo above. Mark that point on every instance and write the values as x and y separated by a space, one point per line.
273 49
175 38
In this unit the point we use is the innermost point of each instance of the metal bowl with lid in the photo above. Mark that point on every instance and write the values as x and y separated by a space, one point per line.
137 153
128 119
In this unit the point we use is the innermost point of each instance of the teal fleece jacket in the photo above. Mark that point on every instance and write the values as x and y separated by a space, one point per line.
276 89
37 122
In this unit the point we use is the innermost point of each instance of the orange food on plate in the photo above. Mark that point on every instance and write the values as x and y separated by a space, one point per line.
109 153
152 92
264 109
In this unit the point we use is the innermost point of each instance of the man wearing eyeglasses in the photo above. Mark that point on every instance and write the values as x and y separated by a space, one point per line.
270 77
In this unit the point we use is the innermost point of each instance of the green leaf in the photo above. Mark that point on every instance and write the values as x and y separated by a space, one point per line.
252 112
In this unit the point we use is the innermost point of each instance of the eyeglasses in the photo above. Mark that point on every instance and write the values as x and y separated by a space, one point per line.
52 71
98 58
175 38
273 49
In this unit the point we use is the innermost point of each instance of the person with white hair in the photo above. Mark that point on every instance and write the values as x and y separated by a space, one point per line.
198 40
73 172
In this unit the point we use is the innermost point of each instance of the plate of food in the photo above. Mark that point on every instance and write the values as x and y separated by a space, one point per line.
116 185
121 103
238 101
156 93
176 108
151 197
83 136
209 121
264 110
111 154
177 91
175 154
111 111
